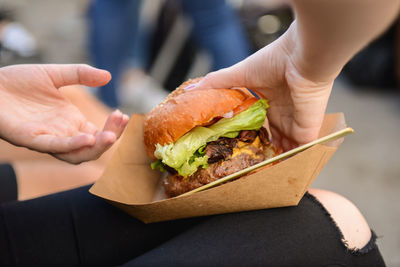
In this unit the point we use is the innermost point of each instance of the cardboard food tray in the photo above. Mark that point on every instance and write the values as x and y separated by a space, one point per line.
129 183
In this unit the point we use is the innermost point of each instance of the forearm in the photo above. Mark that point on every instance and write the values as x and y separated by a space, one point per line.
327 33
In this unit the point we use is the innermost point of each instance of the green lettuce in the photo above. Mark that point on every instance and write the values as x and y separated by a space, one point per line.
158 165
187 154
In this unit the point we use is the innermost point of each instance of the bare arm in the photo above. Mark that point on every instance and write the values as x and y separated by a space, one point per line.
326 33
296 72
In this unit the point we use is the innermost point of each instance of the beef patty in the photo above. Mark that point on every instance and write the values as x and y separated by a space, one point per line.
225 156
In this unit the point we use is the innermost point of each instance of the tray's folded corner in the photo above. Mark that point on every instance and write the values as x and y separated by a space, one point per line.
129 183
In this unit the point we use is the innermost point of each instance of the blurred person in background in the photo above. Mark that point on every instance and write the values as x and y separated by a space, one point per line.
378 64
121 41
16 43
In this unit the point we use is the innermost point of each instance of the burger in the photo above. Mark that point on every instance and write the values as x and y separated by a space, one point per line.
199 136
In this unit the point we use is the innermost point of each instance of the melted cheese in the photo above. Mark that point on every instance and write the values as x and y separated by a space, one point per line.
245 148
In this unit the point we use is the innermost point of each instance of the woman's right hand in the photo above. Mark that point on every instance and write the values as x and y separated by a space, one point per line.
296 72
297 103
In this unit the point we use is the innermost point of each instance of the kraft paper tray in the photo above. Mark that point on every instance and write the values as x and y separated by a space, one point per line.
129 183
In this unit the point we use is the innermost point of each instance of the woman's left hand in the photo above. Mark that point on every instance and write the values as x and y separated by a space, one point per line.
35 114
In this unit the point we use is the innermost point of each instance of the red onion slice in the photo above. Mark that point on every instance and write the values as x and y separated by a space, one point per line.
228 115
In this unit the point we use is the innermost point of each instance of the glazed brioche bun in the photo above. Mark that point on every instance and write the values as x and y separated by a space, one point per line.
184 110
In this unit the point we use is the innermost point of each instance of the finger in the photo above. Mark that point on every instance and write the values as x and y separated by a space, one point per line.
116 123
113 121
61 144
125 120
224 78
90 128
288 144
276 137
280 141
113 129
104 140
70 74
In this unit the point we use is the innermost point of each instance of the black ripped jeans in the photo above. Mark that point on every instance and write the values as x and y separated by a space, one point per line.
75 228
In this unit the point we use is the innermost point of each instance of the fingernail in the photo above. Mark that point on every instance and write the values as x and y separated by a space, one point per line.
125 117
119 120
190 87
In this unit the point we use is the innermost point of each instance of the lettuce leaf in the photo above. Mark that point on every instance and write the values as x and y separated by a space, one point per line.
157 165
187 154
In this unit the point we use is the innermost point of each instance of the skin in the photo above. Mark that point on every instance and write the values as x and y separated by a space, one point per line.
347 216
95 111
40 118
296 72
39 174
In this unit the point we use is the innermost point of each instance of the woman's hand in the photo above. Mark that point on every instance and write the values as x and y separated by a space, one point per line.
35 115
297 104
296 72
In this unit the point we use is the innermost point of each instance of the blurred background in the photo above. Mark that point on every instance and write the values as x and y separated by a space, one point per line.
150 47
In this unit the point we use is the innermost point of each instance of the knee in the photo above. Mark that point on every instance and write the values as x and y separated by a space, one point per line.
347 216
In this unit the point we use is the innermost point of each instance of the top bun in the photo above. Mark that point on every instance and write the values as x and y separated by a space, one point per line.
183 110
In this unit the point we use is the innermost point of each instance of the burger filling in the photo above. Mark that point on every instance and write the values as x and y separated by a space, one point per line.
225 156
224 140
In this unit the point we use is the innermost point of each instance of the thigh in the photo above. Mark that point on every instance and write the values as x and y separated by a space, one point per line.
76 228
294 236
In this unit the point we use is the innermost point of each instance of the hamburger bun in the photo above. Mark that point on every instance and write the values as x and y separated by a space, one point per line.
184 110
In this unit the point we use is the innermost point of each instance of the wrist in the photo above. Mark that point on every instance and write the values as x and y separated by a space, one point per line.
309 63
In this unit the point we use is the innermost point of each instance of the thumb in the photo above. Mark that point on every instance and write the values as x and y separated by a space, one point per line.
223 78
70 74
